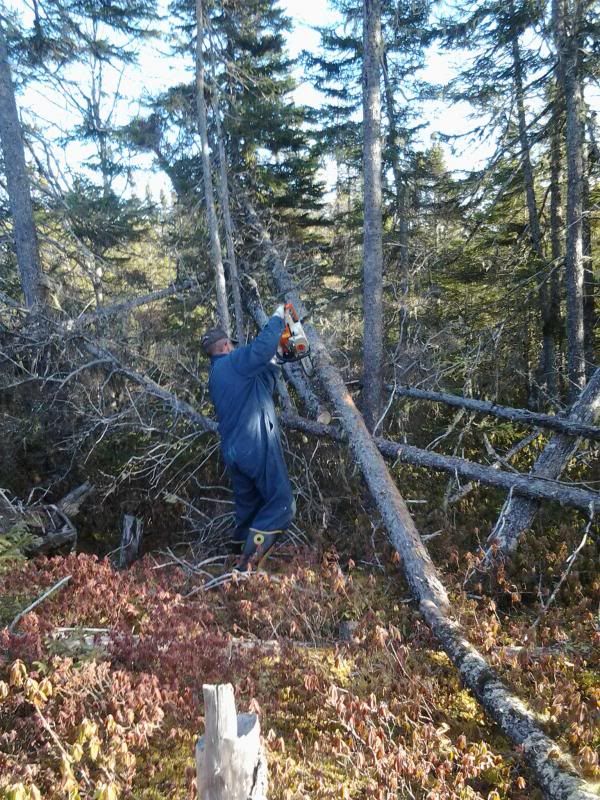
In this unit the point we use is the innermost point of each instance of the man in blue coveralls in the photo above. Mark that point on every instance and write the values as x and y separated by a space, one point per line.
241 384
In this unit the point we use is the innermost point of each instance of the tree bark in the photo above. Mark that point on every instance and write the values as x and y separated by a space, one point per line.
372 238
211 214
568 22
589 282
554 336
570 426
24 232
399 183
518 514
228 225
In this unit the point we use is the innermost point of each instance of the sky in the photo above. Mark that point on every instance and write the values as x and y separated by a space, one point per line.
157 71
440 67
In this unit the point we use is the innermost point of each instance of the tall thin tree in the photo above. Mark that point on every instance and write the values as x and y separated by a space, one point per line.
568 32
372 242
211 214
19 195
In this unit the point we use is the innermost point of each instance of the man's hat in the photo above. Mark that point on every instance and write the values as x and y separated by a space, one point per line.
212 336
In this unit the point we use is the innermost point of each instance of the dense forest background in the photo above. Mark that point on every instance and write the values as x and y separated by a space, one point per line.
480 282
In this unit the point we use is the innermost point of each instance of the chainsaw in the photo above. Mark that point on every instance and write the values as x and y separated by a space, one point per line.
293 345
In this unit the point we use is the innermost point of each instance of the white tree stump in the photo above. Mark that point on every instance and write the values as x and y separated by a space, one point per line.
230 761
131 538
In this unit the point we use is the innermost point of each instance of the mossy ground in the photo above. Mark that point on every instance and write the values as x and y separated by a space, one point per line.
381 715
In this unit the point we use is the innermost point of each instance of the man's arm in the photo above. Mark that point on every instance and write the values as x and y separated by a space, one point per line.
256 356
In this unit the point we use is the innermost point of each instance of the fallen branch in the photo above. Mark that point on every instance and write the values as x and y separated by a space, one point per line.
527 485
104 312
518 513
463 491
62 582
567 425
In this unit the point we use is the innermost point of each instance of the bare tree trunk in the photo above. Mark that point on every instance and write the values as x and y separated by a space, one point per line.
228 225
24 233
553 337
568 22
215 242
518 513
589 284
399 183
372 243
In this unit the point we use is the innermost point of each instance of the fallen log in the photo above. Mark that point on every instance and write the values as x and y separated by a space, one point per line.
570 425
552 769
518 513
529 486
42 528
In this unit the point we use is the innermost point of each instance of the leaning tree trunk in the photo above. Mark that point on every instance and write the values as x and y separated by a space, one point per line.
372 242
518 513
24 233
568 23
213 228
552 770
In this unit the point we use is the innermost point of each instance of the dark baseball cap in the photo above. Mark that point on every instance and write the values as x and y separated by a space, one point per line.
214 335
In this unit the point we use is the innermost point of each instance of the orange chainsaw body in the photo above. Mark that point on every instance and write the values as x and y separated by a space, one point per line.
293 344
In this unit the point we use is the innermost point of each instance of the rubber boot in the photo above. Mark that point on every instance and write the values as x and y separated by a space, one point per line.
258 544
237 541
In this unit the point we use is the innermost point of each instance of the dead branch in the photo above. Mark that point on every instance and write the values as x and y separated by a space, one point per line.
570 426
62 582
518 513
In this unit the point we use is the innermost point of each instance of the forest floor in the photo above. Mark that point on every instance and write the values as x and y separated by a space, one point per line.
101 685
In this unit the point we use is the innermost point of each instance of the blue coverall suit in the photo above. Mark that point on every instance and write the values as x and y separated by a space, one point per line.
241 385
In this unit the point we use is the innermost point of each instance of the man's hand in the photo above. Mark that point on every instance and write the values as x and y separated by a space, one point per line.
279 311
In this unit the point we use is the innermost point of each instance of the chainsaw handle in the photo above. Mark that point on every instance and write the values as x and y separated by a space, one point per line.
289 308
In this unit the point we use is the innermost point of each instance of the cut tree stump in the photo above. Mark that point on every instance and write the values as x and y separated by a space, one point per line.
230 761
131 538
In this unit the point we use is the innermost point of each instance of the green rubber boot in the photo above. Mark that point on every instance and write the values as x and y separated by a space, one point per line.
256 548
